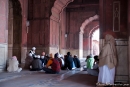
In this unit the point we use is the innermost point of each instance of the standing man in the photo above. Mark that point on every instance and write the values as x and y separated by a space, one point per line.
107 61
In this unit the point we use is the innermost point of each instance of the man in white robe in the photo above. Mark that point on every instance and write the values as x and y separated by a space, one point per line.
107 61
13 65
33 52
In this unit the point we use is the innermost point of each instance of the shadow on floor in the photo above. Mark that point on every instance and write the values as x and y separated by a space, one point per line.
83 78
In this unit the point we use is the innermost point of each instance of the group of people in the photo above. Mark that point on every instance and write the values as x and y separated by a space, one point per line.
51 64
104 64
92 65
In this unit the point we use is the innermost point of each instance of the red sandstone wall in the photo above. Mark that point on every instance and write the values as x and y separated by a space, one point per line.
24 7
39 16
3 21
74 22
106 18
128 22
89 28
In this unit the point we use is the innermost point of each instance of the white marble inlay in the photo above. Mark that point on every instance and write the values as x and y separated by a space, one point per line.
122 66
122 42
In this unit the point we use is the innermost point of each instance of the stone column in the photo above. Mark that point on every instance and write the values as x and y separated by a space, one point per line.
81 45
129 37
91 45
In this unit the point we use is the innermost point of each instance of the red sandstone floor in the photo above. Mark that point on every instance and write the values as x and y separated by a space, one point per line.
74 78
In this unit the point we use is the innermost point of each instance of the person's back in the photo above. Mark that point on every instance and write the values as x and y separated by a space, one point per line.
69 61
13 65
90 62
76 61
36 64
55 65
28 61
95 69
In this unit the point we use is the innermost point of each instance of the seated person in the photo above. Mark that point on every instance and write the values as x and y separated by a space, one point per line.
47 57
55 65
13 65
28 61
69 61
43 58
33 52
61 60
76 61
36 64
90 62
63 67
95 69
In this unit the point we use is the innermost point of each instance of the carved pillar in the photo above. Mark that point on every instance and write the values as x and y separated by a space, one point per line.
116 16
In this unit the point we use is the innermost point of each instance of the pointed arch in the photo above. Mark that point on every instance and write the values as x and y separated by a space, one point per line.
59 5
84 24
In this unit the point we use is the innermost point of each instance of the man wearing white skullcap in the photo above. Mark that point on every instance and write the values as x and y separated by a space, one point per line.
32 52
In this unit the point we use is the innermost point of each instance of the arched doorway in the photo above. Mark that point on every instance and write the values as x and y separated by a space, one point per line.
56 17
95 42
14 29
84 24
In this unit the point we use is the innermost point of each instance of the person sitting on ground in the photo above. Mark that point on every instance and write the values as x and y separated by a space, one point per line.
90 62
95 70
43 59
33 52
76 61
47 57
55 65
36 64
28 61
69 61
13 65
61 60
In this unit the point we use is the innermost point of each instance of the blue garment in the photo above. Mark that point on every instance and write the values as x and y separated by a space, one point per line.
73 65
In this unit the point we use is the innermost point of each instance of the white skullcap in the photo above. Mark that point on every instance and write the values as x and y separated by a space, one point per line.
59 55
29 54
42 57
34 48
35 56
38 56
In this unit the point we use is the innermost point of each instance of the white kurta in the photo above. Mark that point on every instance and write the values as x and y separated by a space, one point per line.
106 75
13 66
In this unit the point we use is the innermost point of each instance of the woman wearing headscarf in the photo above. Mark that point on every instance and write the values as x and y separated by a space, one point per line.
107 61
13 65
